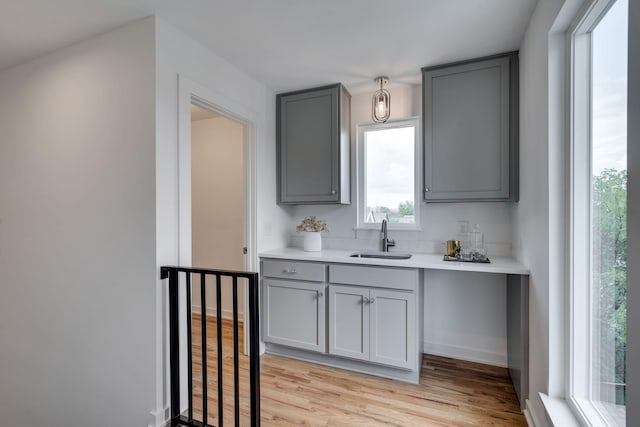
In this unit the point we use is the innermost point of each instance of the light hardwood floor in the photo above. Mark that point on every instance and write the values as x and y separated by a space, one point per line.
295 393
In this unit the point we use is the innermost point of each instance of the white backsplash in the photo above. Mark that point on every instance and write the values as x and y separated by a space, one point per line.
440 222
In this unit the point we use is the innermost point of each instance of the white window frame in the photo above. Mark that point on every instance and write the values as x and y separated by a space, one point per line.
361 128
578 392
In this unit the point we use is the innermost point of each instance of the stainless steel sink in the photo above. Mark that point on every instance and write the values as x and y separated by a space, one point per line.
380 255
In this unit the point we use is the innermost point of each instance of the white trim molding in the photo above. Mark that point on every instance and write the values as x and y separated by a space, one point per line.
159 418
191 92
361 129
558 412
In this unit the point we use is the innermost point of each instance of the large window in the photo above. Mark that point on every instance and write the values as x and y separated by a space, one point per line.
599 214
387 159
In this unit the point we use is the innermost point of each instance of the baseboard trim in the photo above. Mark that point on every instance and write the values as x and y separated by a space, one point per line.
159 418
528 418
466 353
533 417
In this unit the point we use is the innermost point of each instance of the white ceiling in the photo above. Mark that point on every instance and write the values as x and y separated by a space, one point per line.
288 44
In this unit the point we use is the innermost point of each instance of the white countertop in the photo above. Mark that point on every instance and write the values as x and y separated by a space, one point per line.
418 260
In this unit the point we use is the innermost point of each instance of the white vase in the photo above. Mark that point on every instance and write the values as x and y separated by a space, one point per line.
312 241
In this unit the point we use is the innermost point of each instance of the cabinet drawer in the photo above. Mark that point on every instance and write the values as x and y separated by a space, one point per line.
299 270
381 277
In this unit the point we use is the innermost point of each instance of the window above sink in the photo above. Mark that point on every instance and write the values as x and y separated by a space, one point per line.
388 159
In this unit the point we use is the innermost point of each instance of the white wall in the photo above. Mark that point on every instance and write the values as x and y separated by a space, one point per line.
217 185
463 328
178 55
77 234
465 316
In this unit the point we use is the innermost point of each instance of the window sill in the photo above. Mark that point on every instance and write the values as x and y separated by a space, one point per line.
558 412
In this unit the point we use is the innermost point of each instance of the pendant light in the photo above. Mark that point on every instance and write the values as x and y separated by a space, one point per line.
381 101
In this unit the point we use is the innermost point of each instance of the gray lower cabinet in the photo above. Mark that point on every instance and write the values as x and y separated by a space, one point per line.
470 119
373 314
294 304
359 317
312 136
372 324
518 334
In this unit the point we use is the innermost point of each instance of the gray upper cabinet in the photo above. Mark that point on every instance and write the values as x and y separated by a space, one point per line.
312 134
470 117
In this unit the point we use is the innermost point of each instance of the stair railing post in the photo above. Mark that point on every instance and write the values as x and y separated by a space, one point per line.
254 349
174 347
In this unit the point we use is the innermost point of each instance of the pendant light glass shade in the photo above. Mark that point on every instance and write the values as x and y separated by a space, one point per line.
381 102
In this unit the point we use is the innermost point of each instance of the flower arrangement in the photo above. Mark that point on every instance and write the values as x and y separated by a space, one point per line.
311 223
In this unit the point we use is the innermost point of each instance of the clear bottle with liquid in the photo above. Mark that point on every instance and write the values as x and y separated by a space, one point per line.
465 242
476 237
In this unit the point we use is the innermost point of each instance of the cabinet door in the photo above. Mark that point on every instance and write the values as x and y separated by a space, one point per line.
393 323
295 314
349 321
469 131
313 146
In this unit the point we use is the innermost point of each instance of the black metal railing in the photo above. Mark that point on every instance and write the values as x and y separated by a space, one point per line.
187 418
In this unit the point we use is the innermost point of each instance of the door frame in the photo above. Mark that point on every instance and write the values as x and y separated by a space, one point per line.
191 92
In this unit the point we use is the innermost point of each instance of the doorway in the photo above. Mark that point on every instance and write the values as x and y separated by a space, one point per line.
217 203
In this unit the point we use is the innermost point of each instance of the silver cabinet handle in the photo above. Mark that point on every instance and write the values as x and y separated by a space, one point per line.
426 190
289 270
320 294
365 300
372 300
333 191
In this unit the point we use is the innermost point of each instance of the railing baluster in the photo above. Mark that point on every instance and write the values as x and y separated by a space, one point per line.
203 315
189 349
236 360
219 337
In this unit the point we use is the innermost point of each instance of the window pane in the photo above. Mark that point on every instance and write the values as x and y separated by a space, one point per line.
609 213
389 190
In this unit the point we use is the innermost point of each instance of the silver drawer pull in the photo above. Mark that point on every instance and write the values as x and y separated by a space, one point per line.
372 300
366 300
320 294
289 271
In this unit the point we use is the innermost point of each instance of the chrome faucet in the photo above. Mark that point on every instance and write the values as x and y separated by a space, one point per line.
386 242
